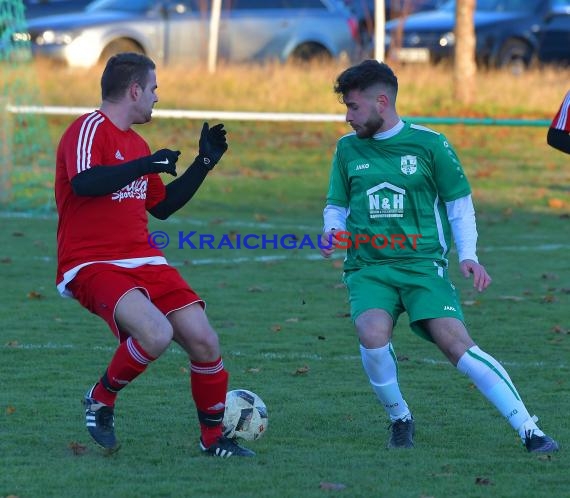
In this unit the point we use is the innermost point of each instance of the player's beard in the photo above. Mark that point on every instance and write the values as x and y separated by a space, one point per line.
371 126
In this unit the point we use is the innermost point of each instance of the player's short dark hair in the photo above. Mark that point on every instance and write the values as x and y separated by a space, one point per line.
365 75
121 71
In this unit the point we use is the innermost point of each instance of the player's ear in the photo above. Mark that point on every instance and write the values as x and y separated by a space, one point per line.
383 100
134 91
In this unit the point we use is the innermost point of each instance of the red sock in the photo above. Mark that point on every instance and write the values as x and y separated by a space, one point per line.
209 384
129 361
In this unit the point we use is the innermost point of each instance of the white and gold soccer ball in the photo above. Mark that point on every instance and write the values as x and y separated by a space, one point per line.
245 416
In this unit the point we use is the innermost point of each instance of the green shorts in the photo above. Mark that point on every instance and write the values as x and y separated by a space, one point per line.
423 290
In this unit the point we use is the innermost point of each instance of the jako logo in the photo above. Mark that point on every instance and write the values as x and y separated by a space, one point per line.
449 308
362 166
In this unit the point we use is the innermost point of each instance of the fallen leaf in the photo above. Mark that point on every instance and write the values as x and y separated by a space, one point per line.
342 314
17 234
483 481
12 344
556 203
255 289
77 448
302 370
34 295
549 298
260 217
276 328
10 410
292 320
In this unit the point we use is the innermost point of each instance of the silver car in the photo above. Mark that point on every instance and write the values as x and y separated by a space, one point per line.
178 31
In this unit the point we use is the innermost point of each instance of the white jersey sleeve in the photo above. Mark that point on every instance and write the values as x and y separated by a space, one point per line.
461 215
334 218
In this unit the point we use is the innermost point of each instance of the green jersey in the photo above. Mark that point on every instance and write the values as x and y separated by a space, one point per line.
395 191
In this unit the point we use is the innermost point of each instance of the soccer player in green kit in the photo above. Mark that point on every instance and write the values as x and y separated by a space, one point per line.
397 197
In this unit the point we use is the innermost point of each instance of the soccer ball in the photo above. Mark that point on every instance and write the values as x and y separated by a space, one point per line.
245 416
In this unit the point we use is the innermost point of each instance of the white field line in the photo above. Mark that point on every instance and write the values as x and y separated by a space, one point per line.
267 355
294 254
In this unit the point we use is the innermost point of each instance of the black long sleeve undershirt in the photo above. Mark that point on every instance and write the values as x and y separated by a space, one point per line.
181 190
103 180
559 139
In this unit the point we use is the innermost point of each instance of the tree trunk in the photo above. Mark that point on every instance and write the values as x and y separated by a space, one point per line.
464 68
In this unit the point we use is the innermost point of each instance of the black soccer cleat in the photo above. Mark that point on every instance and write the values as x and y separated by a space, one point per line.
100 422
225 448
402 433
540 444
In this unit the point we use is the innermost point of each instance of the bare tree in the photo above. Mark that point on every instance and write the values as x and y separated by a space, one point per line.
464 68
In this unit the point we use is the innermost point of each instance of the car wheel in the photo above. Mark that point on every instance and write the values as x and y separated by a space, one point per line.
308 52
120 45
515 55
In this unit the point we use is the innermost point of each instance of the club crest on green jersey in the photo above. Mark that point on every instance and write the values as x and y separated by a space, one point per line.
409 164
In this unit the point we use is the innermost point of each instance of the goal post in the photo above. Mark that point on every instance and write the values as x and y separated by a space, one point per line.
27 158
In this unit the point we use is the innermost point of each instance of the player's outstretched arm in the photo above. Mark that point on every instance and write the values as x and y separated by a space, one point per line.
103 180
211 147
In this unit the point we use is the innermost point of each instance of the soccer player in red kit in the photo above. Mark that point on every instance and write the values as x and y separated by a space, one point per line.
558 135
106 181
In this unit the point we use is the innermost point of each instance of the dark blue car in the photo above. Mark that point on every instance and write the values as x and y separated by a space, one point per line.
509 33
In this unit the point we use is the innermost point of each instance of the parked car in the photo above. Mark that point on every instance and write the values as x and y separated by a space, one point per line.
554 46
171 31
364 10
38 8
393 9
509 33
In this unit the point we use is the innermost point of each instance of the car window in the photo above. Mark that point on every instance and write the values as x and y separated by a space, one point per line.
130 6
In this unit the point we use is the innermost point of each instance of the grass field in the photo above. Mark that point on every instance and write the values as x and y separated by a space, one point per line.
282 318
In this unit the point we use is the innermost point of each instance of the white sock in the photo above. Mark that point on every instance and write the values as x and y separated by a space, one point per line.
495 384
381 366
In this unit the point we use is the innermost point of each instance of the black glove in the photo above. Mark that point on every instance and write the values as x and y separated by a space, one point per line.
212 145
162 161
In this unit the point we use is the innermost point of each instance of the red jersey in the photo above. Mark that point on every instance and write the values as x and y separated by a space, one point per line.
110 228
562 119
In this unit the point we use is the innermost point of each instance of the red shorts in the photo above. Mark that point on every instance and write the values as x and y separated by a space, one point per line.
100 286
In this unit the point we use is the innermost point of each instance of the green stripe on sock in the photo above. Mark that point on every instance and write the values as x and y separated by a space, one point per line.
492 367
